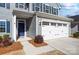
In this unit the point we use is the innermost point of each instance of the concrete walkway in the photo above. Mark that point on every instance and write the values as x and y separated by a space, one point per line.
29 49
69 46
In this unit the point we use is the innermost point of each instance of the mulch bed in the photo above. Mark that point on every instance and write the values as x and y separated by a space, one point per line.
14 47
37 45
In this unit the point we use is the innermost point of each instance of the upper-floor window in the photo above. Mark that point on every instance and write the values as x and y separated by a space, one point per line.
22 5
8 5
37 7
5 5
47 9
44 8
2 5
55 11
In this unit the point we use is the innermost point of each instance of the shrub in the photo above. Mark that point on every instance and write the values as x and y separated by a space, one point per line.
5 41
6 36
1 38
38 39
76 34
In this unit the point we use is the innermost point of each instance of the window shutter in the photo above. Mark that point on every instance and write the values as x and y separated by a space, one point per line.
8 26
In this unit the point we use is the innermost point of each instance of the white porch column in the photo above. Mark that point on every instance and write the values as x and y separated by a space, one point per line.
14 28
36 25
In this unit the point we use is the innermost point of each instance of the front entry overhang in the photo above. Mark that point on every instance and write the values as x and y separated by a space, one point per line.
22 14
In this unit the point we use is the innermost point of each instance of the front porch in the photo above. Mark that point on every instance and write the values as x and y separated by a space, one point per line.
23 25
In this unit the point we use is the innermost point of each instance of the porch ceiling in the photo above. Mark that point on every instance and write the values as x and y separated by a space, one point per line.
21 14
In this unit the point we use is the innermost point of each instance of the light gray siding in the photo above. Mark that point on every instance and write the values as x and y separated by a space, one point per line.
32 28
6 15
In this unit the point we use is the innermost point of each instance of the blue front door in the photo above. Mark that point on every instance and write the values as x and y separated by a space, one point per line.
21 29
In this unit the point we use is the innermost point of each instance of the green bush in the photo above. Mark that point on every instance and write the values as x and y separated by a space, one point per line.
5 40
6 36
1 38
76 34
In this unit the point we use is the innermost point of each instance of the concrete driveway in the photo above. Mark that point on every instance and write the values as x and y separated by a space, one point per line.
69 46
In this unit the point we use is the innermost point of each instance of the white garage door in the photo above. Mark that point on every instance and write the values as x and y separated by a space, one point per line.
52 30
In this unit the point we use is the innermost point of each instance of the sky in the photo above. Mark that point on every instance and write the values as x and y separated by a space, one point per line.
69 9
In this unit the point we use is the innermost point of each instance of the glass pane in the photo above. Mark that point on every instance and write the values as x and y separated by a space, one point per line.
33 6
8 5
2 26
59 24
64 24
2 4
3 23
16 5
52 10
37 9
26 5
45 23
21 5
53 24
46 10
43 7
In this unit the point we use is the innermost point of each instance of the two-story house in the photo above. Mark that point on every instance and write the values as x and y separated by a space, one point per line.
31 19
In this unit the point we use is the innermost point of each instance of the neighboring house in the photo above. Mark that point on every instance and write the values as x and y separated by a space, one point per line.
75 24
31 19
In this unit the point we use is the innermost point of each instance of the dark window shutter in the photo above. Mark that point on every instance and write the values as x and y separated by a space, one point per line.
8 26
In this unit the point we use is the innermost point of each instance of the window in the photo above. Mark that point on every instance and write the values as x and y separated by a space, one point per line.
45 23
2 5
43 7
50 9
59 24
5 26
64 24
40 23
53 24
37 7
26 5
5 5
2 26
8 5
55 11
21 5
33 6
47 9
16 5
